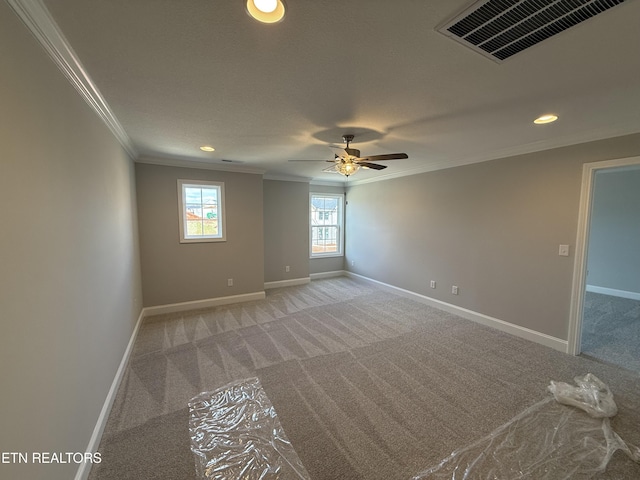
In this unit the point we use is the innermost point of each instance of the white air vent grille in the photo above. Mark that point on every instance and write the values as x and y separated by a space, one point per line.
501 28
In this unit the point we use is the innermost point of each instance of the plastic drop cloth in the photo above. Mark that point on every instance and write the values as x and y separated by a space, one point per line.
235 434
551 440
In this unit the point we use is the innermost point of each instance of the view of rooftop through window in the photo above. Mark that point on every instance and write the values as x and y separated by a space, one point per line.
201 210
326 225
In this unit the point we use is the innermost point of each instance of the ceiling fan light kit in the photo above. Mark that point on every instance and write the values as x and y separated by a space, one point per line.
347 168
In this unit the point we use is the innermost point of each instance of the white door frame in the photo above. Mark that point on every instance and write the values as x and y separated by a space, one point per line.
582 246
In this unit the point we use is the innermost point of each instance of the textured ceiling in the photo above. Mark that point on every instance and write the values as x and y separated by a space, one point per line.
179 74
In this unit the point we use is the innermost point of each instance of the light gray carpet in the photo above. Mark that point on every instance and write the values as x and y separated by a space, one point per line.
611 330
367 384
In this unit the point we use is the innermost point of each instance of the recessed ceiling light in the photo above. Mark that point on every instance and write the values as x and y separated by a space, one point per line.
545 119
207 148
266 6
266 11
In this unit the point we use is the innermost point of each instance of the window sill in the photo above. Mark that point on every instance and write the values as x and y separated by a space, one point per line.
202 240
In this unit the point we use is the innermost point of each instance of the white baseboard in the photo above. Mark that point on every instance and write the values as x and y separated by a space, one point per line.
206 303
613 292
94 442
287 283
304 280
518 331
335 273
85 468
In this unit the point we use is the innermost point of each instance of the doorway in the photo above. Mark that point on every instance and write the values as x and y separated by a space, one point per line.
605 307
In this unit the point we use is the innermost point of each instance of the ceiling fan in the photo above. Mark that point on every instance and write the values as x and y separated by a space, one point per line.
348 161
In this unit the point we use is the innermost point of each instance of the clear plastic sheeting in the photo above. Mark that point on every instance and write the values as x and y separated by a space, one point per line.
591 395
551 440
235 434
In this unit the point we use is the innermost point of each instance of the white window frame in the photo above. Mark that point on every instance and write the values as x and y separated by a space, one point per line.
222 230
313 222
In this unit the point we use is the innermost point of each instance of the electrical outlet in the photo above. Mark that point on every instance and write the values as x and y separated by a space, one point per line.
287 268
454 289
229 282
433 284
353 263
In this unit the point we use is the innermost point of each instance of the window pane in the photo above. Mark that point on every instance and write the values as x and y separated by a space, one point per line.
324 239
210 196
210 227
194 227
210 213
331 239
194 212
193 195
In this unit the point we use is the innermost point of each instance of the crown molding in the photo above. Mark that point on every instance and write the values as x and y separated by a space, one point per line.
186 163
286 178
41 24
328 183
534 147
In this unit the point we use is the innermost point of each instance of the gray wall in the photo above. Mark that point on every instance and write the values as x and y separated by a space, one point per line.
614 237
329 264
286 230
493 229
69 276
174 272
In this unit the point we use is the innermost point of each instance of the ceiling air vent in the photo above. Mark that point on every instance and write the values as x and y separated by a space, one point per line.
499 29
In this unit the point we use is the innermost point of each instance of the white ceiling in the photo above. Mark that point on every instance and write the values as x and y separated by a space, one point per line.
183 73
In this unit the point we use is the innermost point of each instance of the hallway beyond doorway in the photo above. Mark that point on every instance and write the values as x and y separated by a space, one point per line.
611 330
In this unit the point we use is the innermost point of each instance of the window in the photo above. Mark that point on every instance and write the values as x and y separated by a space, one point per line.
201 206
326 225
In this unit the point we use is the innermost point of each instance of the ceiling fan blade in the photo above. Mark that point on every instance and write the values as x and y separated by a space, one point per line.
353 152
373 166
389 156
331 169
339 151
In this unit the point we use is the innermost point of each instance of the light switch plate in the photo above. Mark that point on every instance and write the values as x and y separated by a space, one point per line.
563 251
